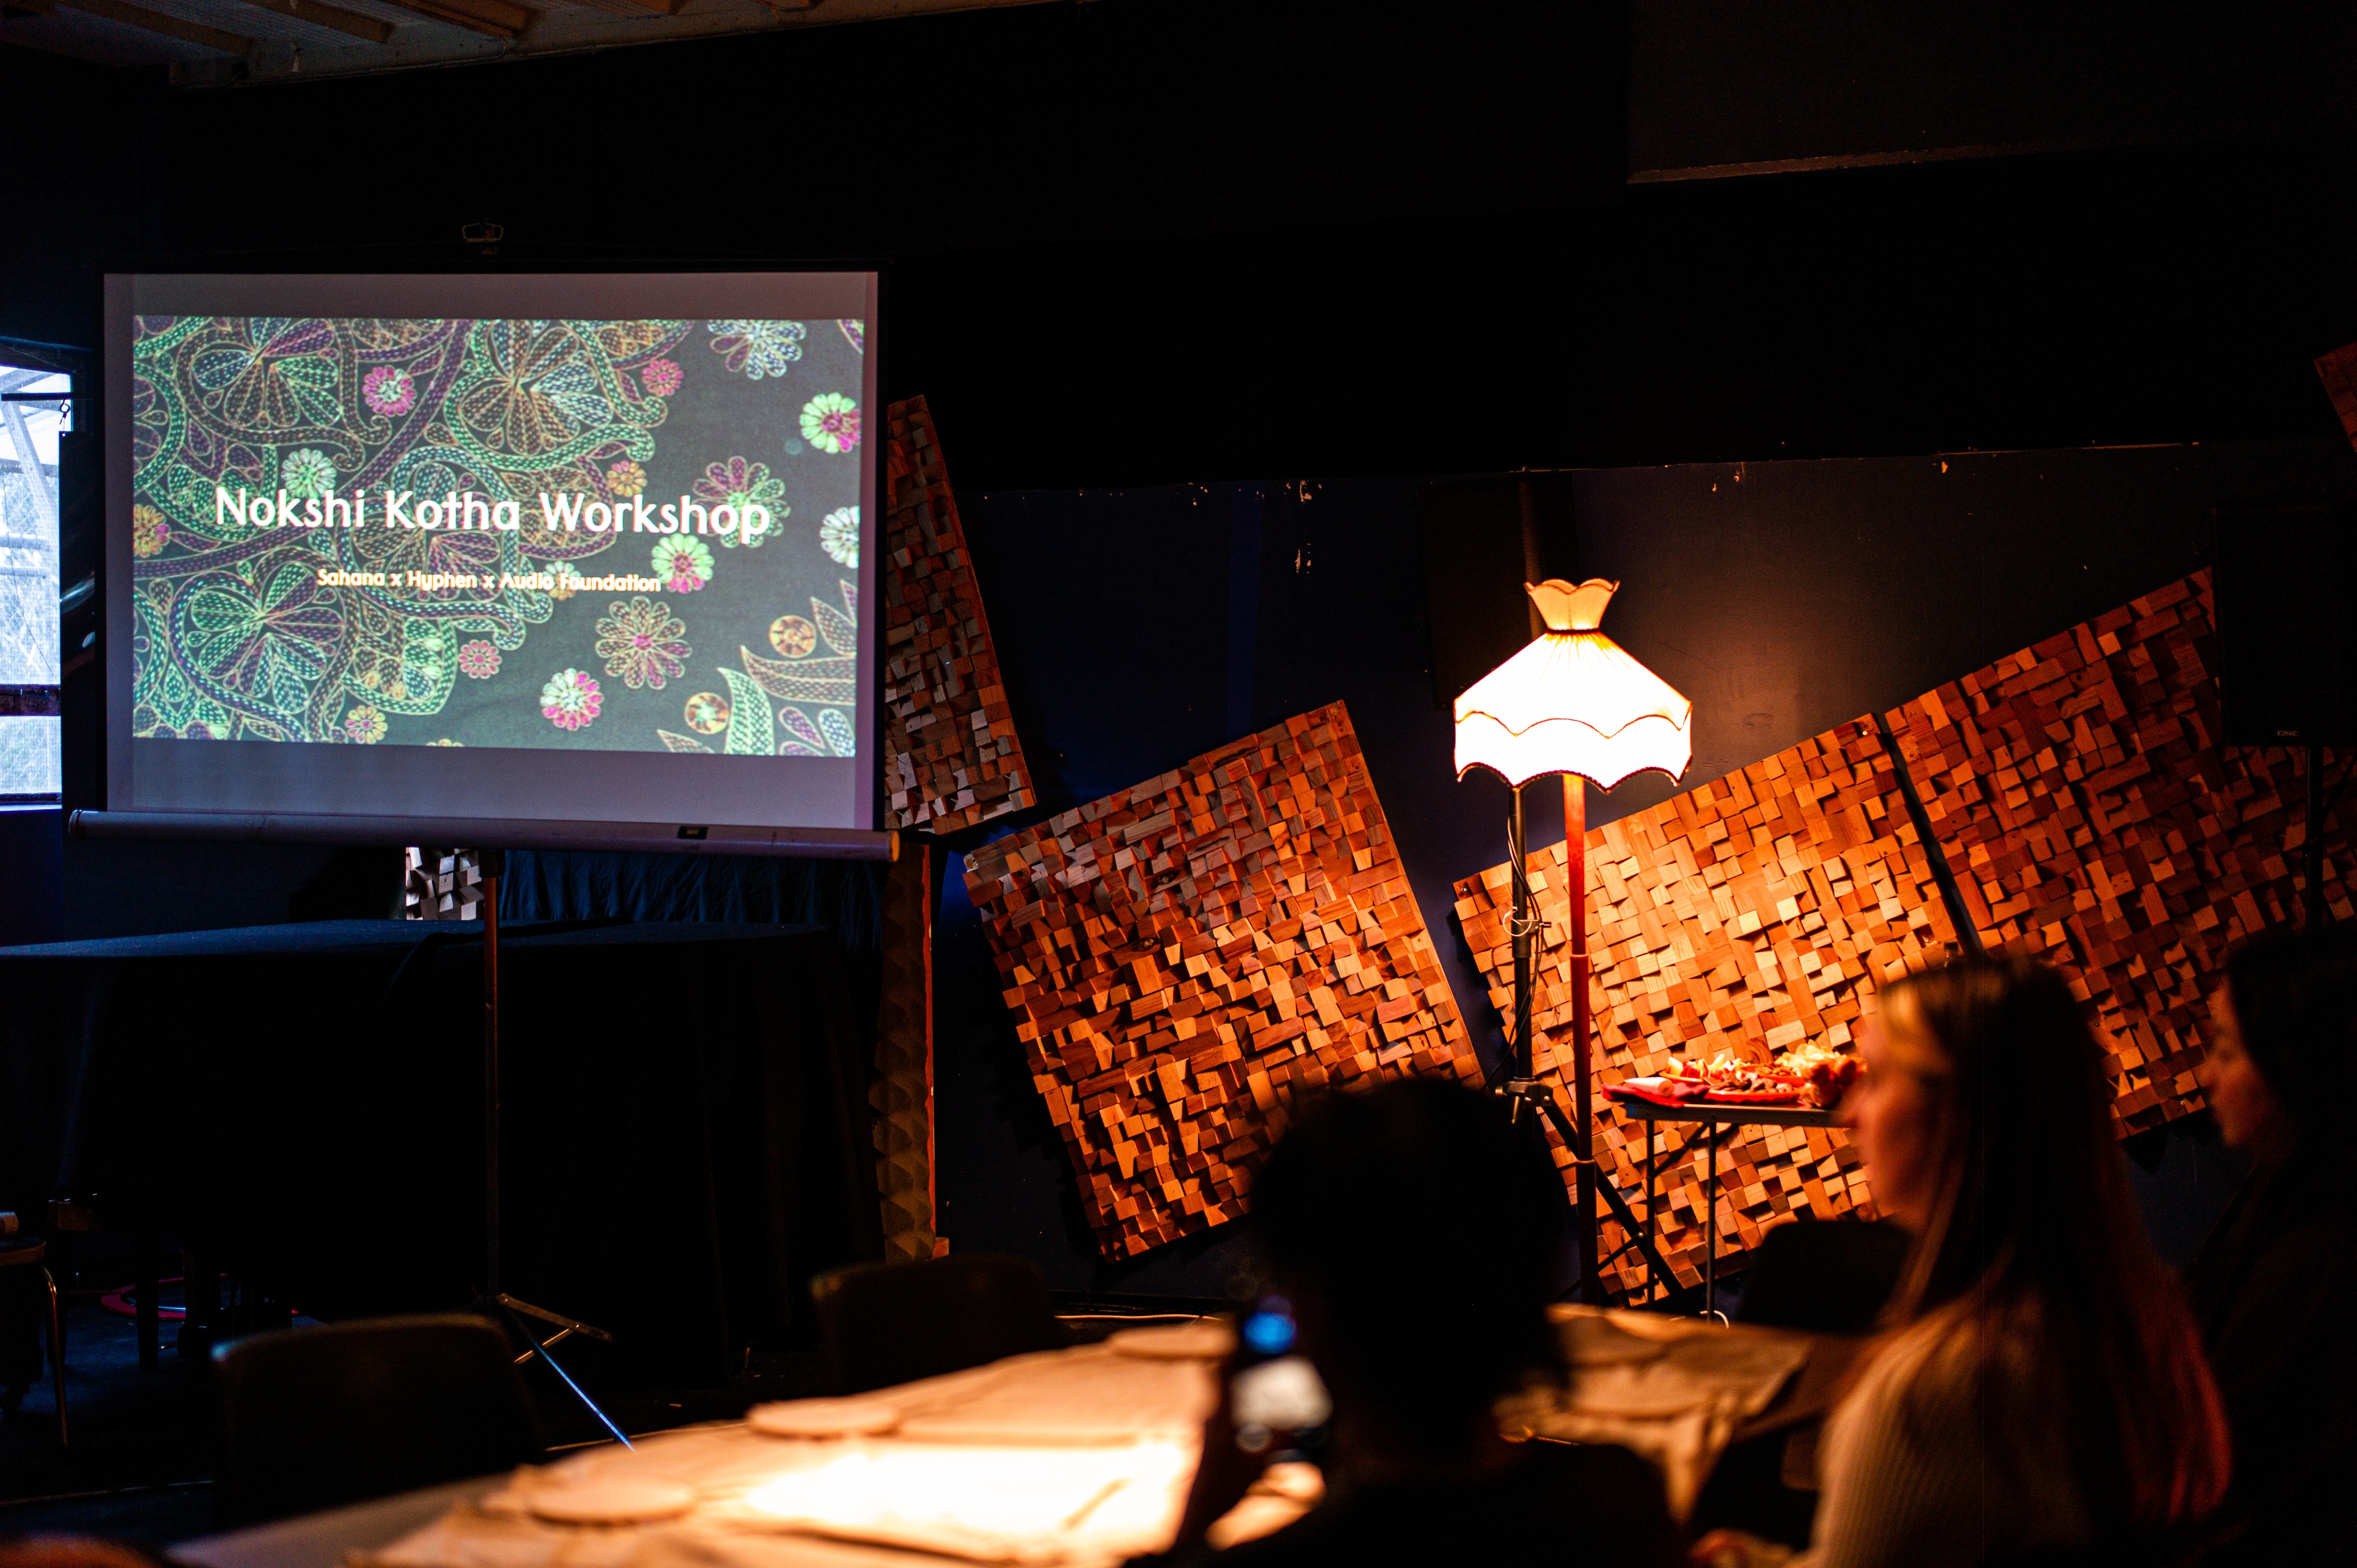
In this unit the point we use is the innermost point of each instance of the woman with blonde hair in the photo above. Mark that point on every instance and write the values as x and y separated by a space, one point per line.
2043 1388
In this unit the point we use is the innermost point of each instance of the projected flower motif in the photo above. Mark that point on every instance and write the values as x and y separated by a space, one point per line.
840 535
856 334
445 741
364 725
307 472
830 423
627 478
739 483
662 378
566 586
707 712
644 643
390 391
268 375
683 563
479 661
792 637
150 531
757 347
571 700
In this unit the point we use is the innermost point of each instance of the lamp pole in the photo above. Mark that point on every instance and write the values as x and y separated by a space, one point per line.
1575 882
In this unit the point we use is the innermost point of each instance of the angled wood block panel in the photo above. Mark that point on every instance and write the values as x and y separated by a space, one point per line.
1755 911
951 759
1185 956
2095 820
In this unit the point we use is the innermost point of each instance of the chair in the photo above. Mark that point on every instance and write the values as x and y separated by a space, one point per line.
1828 1276
31 1253
312 1418
893 1323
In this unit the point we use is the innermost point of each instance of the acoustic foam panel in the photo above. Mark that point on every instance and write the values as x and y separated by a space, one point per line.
1760 908
1186 955
951 759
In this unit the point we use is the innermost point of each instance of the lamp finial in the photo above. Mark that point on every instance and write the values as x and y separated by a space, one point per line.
1569 607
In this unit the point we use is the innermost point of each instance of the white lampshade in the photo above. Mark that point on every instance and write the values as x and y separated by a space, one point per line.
1572 701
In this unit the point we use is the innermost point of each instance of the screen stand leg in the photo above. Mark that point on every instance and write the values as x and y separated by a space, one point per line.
503 1309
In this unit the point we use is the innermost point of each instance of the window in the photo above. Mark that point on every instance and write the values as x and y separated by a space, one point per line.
36 408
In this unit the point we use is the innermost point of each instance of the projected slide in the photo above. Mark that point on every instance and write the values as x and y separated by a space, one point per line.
596 535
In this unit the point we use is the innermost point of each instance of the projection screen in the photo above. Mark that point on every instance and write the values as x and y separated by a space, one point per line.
589 548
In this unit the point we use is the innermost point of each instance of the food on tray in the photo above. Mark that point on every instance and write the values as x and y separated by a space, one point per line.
1810 1073
1825 1074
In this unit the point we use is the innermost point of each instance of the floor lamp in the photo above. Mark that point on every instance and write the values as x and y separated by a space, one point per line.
1572 702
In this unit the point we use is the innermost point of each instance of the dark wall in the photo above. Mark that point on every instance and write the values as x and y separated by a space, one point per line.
1792 80
1782 597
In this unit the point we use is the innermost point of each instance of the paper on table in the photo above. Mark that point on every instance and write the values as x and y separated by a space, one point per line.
1671 1390
1079 1459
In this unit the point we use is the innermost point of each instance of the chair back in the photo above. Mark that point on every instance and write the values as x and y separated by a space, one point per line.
314 1418
1828 1276
893 1323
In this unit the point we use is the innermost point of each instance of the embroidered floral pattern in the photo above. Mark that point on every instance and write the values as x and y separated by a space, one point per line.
307 472
792 637
739 483
288 635
707 712
365 724
644 643
830 423
759 348
684 563
571 700
390 391
150 531
840 536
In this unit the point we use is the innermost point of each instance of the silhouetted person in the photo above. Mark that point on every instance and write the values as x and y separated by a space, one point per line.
1418 1238
2273 1284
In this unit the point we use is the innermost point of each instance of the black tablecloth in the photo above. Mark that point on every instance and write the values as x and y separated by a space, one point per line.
685 1127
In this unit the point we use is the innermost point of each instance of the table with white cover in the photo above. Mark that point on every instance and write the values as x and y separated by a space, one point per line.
1077 1457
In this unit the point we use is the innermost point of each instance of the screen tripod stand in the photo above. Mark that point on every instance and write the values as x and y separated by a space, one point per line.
507 1311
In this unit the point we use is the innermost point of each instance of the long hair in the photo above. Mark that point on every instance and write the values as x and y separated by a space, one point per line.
2032 1259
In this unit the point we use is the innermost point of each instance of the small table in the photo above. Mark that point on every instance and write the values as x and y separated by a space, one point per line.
1704 1112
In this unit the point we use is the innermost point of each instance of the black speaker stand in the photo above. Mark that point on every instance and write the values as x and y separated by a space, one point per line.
508 1312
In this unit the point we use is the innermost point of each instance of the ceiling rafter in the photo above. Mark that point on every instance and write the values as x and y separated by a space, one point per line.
188 32
492 18
374 30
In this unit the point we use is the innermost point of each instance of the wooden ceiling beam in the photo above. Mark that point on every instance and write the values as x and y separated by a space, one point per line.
493 18
373 30
139 17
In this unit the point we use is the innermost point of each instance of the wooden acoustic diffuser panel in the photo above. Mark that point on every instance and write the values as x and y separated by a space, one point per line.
1185 956
951 759
2078 793
2081 795
1759 910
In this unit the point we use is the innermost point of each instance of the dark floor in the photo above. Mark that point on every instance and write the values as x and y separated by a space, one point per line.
140 1462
